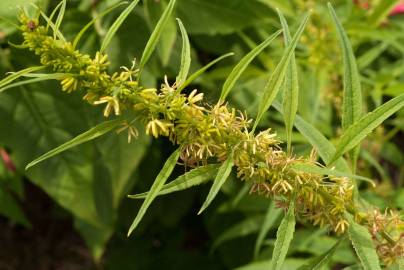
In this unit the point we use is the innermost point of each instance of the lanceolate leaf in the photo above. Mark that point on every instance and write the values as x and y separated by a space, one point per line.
156 187
291 87
154 38
322 260
242 65
365 125
363 244
273 85
200 71
352 94
185 55
221 177
283 238
15 75
42 77
270 218
117 23
192 178
89 135
60 17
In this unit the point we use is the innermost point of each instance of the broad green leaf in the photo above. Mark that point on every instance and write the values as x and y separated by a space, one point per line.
89 135
271 216
200 71
274 83
88 25
41 77
284 236
363 245
381 11
324 147
221 177
365 125
185 55
242 65
352 94
15 75
321 261
291 88
283 6
197 176
115 26
312 168
156 187
245 227
154 37
59 18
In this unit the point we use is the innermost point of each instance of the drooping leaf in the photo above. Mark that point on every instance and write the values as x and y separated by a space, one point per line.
363 245
15 75
156 187
271 216
284 236
291 87
274 83
352 94
41 77
154 37
117 23
200 71
365 125
185 55
242 65
319 262
89 135
221 177
197 176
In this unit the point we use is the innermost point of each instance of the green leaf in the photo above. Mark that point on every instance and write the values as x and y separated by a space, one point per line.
284 236
154 38
274 83
352 93
39 78
242 65
115 26
381 11
243 228
59 18
291 88
156 187
15 75
363 245
56 31
368 57
321 261
271 216
88 25
89 135
358 131
312 168
200 71
185 55
221 177
197 176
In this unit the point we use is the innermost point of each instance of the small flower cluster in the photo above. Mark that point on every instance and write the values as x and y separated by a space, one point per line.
206 134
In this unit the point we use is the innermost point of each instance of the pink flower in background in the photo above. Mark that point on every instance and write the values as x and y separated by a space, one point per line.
398 9
7 160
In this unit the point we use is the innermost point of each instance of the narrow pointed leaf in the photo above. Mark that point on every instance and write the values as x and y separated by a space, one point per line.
117 23
56 31
154 38
185 55
271 217
59 19
321 261
291 87
200 71
156 187
363 245
274 83
284 236
221 177
89 135
365 125
192 178
44 77
15 75
242 65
